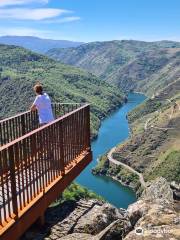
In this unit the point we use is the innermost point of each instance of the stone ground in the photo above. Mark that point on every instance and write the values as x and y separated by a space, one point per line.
155 216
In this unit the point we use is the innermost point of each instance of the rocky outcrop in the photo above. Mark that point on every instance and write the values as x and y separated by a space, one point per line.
98 218
157 221
92 217
158 191
116 230
155 216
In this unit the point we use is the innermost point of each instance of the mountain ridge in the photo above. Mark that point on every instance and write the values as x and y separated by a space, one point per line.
128 64
40 45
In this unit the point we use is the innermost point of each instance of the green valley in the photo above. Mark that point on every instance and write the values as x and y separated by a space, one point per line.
153 69
148 67
20 69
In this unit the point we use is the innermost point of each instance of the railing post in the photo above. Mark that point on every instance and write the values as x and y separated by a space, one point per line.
88 127
13 181
23 124
62 165
1 137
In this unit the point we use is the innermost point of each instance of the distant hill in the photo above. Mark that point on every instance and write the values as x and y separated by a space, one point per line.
132 65
36 44
20 69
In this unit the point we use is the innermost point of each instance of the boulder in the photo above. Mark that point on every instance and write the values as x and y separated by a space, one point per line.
154 216
136 211
98 218
116 230
158 191
157 222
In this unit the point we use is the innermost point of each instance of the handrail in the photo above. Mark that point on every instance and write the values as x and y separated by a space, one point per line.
10 118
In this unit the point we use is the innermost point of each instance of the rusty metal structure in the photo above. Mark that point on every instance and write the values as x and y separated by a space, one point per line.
38 163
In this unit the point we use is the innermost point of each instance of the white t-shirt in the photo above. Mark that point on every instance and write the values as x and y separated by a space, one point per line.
43 105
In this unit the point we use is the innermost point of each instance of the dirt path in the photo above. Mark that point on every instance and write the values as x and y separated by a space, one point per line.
111 159
146 123
170 117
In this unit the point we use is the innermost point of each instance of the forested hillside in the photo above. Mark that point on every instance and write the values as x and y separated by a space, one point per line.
131 65
20 69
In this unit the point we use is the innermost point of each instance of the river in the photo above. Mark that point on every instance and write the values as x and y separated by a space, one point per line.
113 131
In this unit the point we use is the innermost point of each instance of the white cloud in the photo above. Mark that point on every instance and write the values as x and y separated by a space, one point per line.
31 14
63 20
4 3
68 19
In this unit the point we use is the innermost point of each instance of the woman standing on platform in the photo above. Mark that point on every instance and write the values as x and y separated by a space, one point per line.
42 104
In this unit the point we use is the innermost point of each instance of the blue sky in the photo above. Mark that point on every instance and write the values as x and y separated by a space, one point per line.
92 20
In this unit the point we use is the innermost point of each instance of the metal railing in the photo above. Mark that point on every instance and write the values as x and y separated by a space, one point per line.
23 123
17 126
32 162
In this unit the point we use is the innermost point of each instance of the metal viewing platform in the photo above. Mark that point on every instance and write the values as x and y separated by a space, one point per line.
38 163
